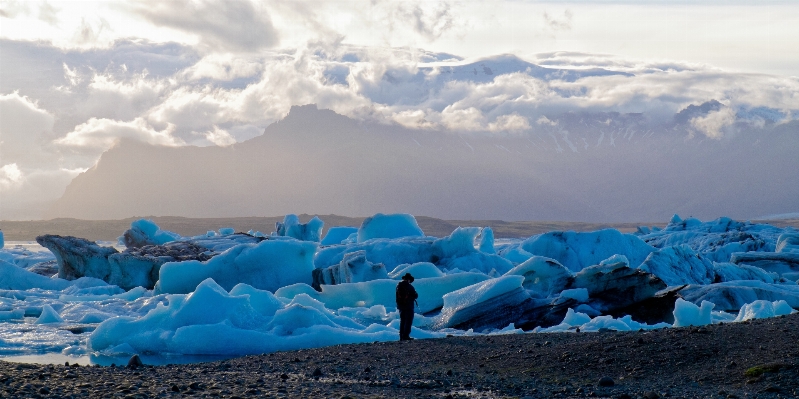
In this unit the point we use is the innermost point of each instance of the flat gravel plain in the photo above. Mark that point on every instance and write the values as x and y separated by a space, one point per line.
753 359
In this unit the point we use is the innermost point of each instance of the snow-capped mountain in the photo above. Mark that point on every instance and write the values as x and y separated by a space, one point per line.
574 166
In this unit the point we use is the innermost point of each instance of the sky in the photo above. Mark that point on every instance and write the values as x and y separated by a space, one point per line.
76 76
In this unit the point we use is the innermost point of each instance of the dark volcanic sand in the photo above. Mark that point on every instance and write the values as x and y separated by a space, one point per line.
752 359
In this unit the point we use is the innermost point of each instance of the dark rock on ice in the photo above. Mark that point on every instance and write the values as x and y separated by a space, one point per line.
140 266
615 285
47 268
657 309
78 257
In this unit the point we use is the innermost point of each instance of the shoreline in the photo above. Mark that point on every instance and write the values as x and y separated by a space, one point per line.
757 358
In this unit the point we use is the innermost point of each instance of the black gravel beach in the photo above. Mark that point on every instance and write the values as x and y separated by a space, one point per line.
758 358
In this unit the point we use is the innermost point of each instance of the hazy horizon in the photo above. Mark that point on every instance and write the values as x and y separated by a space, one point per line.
710 82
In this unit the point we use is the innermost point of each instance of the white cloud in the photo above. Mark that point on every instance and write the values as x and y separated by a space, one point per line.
234 25
712 125
10 177
23 129
98 135
220 137
509 123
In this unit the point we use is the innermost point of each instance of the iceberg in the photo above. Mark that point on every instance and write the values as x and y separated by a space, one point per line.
733 295
78 257
337 235
267 265
688 314
291 227
679 265
613 285
491 303
389 226
213 321
454 251
577 251
543 276
763 309
354 268
145 232
732 272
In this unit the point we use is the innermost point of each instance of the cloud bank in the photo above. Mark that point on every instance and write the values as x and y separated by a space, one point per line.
207 73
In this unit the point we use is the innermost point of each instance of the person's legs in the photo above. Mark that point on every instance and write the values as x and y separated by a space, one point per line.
406 320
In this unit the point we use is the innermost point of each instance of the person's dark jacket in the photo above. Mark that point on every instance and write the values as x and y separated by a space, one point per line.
406 295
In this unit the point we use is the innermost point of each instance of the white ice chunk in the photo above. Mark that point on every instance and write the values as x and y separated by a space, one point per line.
49 316
267 265
576 318
688 314
389 226
763 309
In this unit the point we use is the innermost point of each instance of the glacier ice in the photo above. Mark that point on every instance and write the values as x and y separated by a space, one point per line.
291 227
733 295
454 251
763 309
487 241
337 235
145 232
389 226
483 304
579 250
679 265
417 270
267 265
234 293
354 268
544 276
688 314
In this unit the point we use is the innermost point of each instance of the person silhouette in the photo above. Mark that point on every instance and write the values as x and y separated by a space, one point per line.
406 297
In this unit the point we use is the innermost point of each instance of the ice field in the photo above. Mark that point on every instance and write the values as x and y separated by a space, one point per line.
181 299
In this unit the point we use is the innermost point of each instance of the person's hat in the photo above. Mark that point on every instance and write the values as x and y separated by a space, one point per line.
408 277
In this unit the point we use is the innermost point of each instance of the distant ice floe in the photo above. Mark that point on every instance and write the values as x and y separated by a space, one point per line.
231 293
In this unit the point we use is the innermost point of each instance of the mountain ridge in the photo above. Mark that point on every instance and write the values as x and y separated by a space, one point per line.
600 167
